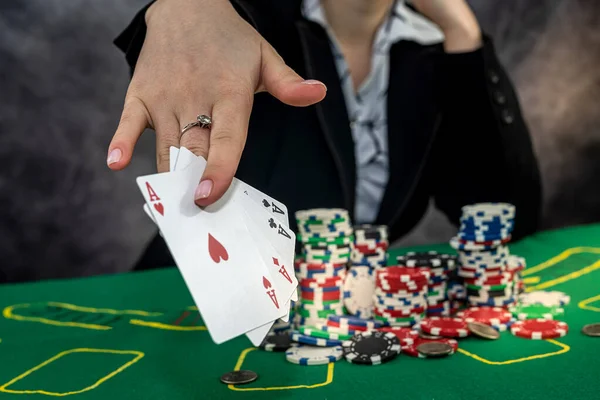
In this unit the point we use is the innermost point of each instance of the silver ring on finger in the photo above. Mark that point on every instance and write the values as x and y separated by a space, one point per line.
202 121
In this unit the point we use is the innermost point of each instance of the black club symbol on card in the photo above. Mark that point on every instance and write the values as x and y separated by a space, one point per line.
266 203
272 223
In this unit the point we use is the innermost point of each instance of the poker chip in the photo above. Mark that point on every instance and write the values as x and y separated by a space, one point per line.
358 291
345 330
335 281
553 298
319 314
411 348
316 332
309 355
403 274
539 329
444 326
346 320
276 343
485 315
371 348
314 341
329 295
349 328
536 311
406 336
321 306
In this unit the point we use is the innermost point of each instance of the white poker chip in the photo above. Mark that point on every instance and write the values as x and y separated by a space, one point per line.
310 355
548 299
359 288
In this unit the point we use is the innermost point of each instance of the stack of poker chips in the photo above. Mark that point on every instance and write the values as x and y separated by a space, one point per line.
370 246
326 238
483 254
401 295
369 253
440 266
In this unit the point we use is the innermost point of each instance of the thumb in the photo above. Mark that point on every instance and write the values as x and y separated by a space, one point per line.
285 84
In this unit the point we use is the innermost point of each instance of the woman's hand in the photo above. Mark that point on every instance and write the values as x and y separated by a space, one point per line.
456 20
201 57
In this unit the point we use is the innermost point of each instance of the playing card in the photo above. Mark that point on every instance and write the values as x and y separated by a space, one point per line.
276 208
173 153
233 289
275 241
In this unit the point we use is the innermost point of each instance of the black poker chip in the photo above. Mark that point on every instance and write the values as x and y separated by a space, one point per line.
276 343
487 293
371 348
430 259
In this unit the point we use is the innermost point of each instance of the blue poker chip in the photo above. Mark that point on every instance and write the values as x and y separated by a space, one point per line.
320 289
493 302
483 238
314 341
384 306
355 321
496 251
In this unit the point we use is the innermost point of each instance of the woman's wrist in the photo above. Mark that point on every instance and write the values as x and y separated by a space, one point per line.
462 39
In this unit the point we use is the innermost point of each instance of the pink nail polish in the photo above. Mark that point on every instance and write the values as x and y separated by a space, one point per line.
203 190
114 156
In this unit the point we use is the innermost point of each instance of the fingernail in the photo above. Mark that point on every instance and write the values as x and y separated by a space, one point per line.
314 82
203 190
114 156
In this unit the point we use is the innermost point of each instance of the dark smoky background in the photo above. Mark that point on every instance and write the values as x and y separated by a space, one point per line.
62 83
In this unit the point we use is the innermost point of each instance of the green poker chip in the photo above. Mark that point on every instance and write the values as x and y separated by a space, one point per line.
316 313
490 287
318 333
536 311
324 302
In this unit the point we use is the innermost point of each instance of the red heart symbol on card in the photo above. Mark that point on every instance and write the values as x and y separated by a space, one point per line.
216 250
266 283
159 207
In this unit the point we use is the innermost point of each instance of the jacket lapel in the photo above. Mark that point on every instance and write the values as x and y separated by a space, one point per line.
413 117
332 113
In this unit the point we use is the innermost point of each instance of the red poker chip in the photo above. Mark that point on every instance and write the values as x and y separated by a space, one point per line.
444 326
397 286
347 326
486 315
399 313
368 249
333 295
300 263
539 329
321 282
411 349
504 278
406 336
403 274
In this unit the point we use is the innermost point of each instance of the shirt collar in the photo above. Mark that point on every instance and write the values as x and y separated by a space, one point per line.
401 24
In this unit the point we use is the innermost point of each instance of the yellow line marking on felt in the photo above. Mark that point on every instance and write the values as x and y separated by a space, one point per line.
138 355
564 349
240 362
163 326
532 280
561 257
8 313
584 304
565 278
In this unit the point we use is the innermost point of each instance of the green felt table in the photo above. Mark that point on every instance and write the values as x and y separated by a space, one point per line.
136 336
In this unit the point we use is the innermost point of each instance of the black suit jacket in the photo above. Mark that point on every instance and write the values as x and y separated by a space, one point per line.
455 131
